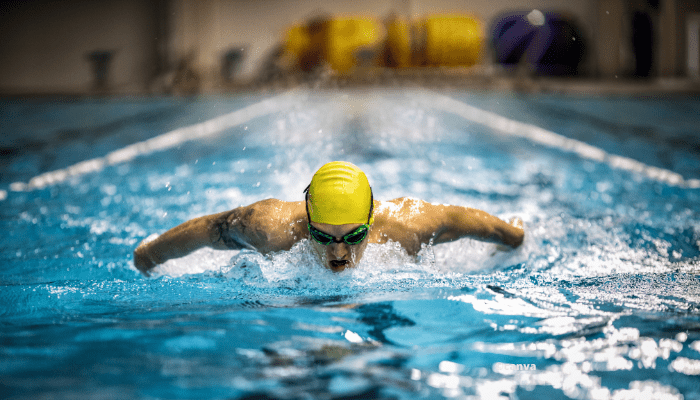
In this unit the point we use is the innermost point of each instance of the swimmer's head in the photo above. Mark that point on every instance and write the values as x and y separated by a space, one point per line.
339 194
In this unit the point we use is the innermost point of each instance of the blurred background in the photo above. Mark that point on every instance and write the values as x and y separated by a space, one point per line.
217 46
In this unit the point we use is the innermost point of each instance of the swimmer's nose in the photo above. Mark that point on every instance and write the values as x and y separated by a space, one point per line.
340 251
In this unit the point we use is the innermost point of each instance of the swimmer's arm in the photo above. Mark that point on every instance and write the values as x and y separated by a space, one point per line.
266 226
177 242
449 223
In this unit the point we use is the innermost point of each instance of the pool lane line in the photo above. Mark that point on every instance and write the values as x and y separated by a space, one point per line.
162 142
548 138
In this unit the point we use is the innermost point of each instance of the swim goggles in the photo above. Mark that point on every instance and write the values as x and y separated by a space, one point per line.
352 238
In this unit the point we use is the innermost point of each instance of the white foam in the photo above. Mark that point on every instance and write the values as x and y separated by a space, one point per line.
548 138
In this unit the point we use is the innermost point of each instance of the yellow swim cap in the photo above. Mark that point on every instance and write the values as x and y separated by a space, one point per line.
339 194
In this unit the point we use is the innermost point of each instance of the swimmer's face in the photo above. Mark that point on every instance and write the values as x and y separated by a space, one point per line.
338 256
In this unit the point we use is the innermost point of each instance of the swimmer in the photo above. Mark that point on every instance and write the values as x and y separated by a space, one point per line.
339 216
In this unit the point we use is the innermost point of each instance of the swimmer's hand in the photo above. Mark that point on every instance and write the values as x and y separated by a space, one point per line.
142 261
516 222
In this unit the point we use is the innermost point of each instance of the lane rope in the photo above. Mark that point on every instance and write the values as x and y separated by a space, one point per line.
548 138
287 100
161 142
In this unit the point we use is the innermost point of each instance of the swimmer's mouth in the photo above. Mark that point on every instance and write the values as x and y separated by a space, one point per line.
338 265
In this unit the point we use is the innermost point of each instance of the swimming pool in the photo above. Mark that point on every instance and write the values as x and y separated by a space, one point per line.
601 301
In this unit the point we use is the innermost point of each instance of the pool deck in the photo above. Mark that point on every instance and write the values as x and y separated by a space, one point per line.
479 78
502 82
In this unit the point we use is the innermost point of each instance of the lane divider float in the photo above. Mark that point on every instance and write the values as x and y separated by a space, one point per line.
548 138
162 142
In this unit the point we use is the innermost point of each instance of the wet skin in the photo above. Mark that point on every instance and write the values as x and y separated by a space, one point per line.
273 225
338 256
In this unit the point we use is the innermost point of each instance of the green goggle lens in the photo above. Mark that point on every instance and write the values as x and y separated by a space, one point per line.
351 238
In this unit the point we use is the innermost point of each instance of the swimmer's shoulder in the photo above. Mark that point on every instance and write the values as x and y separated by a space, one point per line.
397 213
269 225
398 207
395 220
408 214
276 211
266 215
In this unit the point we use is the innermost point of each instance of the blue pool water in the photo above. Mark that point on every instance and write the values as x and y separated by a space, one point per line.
602 301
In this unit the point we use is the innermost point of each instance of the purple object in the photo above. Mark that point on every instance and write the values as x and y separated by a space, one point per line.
548 41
